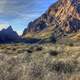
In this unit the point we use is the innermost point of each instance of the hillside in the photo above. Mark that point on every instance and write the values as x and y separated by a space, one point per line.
8 36
61 18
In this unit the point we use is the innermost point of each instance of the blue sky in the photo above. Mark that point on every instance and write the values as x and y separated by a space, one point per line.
19 13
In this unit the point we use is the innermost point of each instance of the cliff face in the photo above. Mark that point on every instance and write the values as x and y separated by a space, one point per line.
68 14
64 14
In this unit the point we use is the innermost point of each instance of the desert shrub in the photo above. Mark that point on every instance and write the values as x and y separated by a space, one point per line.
29 51
63 67
36 72
14 49
39 48
3 47
71 44
31 47
53 52
35 48
20 51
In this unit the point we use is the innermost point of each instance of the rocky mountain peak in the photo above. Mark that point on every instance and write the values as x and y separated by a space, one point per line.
10 28
75 2
9 35
64 14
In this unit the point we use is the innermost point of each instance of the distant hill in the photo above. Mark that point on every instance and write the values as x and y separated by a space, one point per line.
61 19
8 35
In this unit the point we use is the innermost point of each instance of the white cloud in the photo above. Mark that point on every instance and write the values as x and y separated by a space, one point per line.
13 8
3 26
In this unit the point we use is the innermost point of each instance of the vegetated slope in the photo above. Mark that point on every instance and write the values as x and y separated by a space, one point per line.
61 19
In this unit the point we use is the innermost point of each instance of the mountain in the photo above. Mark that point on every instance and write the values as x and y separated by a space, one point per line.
61 18
8 35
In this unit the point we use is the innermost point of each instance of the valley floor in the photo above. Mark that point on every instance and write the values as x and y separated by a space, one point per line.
39 62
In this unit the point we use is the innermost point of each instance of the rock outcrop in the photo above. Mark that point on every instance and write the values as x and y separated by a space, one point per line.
61 17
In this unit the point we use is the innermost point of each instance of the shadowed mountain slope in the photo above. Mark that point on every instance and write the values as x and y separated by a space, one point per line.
8 35
61 18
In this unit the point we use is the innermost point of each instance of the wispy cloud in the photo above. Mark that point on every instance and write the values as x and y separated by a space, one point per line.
13 8
23 11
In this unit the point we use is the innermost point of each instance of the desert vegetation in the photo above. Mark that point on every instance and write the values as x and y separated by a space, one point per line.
39 62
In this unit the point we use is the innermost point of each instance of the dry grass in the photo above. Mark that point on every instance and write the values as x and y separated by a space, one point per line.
39 62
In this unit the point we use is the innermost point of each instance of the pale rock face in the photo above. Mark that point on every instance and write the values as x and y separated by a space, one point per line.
67 14
67 11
